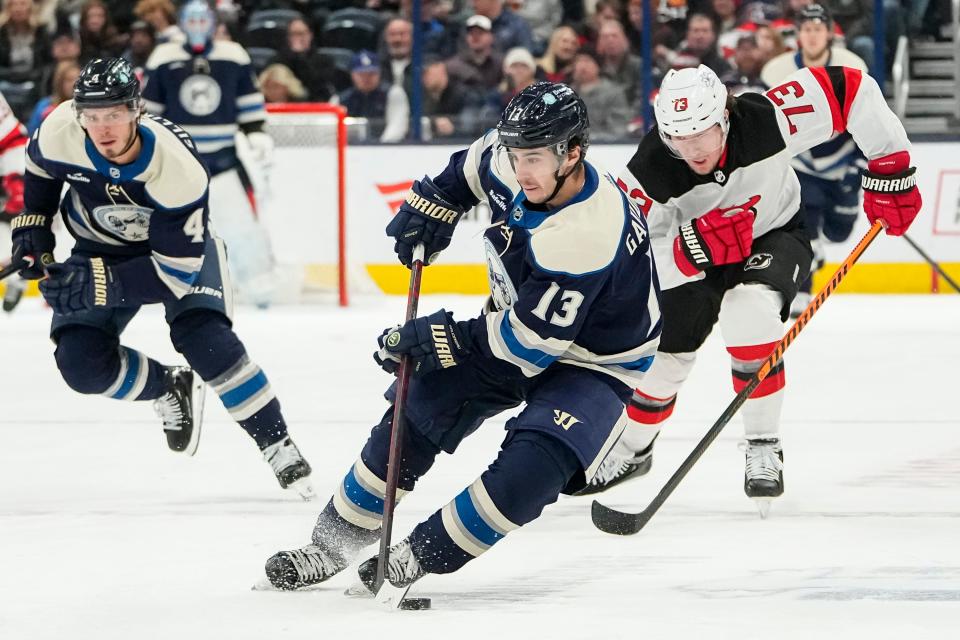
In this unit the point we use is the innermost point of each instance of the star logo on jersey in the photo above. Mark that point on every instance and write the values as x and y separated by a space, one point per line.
564 419
680 104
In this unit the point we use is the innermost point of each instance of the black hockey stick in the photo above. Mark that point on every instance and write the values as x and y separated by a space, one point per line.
13 267
933 263
625 524
396 429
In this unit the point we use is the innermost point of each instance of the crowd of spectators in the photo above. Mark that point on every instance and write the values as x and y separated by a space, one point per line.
477 53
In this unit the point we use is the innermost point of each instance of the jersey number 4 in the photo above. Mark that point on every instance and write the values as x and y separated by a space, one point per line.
567 313
193 227
777 94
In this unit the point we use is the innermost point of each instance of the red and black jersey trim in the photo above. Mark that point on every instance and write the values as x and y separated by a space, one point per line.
840 85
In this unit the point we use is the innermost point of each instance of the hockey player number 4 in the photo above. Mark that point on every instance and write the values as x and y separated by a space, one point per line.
193 227
567 313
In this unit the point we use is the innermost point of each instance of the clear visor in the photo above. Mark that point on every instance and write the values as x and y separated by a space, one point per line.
106 116
696 146
538 164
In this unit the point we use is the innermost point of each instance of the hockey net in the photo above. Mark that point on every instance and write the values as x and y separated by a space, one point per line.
304 201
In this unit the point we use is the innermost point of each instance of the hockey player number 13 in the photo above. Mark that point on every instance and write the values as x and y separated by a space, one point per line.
777 94
567 313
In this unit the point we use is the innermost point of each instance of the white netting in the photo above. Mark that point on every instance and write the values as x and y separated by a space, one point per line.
301 205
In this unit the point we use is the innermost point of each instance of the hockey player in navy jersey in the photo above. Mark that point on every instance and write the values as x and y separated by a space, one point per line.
136 203
209 88
727 229
571 325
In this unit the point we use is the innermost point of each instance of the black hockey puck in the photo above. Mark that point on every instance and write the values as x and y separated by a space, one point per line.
415 604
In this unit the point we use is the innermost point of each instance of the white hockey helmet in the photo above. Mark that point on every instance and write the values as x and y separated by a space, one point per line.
690 101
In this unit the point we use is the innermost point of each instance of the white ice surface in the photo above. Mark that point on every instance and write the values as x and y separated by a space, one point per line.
105 534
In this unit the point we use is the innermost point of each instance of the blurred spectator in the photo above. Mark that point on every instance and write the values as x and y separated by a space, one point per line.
557 62
279 84
616 61
604 10
700 47
855 18
769 43
64 77
162 16
142 42
65 45
24 45
398 44
315 71
815 38
438 38
477 66
98 37
443 100
520 71
509 29
606 101
749 62
384 106
542 16
728 35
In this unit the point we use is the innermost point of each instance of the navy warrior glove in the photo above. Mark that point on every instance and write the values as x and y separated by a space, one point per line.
432 342
32 240
79 284
426 216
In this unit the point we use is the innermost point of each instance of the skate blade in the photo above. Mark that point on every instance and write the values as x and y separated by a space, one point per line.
389 597
304 489
198 394
763 506
358 590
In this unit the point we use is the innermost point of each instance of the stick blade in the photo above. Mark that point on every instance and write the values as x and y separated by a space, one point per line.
616 522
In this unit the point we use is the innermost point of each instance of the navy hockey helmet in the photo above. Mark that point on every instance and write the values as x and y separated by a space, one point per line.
545 114
105 82
815 13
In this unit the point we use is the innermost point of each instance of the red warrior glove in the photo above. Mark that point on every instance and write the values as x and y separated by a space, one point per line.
721 236
13 186
890 192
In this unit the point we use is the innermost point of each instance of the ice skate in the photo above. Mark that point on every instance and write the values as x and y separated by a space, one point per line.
181 409
290 467
619 466
403 569
302 567
763 476
14 293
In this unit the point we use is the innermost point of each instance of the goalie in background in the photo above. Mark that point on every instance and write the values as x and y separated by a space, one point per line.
209 88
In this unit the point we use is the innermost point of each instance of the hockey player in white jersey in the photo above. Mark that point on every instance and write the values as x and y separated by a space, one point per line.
13 139
209 88
723 205
570 327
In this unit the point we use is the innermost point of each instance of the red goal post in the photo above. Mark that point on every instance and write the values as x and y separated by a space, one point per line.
317 135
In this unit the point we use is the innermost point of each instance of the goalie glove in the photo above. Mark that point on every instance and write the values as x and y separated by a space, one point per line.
890 192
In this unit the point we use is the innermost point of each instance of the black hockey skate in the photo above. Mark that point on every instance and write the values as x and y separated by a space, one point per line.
302 567
181 409
290 467
13 293
763 475
403 569
617 468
